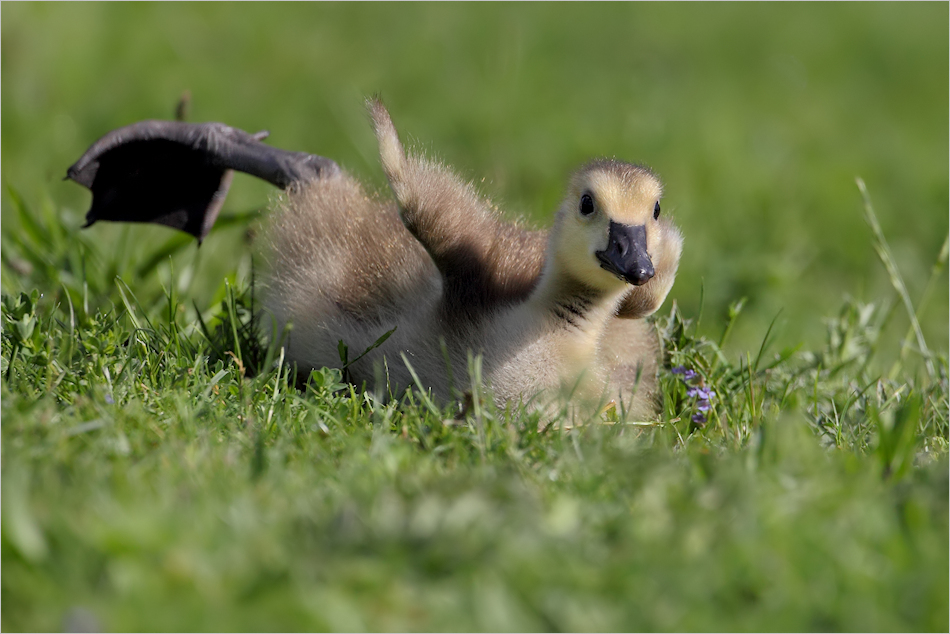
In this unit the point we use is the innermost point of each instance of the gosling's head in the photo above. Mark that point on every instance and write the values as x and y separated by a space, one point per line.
610 232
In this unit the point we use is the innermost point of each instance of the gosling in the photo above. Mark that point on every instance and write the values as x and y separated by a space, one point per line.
548 312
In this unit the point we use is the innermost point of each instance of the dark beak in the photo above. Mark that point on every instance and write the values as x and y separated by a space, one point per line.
626 254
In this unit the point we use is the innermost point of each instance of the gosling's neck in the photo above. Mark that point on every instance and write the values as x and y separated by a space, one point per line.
569 304
575 317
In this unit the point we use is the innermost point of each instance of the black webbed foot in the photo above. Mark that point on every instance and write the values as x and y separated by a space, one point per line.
178 174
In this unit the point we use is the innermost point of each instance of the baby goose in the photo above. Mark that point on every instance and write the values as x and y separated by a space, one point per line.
547 311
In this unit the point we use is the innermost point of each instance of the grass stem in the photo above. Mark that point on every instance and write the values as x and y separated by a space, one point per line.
897 281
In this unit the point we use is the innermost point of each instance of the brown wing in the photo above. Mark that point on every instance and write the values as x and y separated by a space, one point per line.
484 260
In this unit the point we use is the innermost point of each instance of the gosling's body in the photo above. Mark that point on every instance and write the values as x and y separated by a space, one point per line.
547 312
454 279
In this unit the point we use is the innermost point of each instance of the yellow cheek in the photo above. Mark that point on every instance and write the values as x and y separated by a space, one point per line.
579 240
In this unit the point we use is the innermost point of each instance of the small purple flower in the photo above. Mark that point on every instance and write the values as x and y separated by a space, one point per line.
688 374
109 399
703 395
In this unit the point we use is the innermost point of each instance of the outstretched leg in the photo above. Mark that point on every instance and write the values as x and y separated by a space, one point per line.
178 174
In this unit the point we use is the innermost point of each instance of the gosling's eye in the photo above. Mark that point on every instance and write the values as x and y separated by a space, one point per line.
587 205
656 210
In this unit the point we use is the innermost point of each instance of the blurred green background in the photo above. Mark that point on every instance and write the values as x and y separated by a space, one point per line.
757 117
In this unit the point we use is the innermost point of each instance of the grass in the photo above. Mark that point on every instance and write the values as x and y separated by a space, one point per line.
160 471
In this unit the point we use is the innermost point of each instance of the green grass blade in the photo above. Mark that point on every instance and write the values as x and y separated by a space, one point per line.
884 253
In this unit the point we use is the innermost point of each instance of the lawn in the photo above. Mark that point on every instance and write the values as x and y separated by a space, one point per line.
160 471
